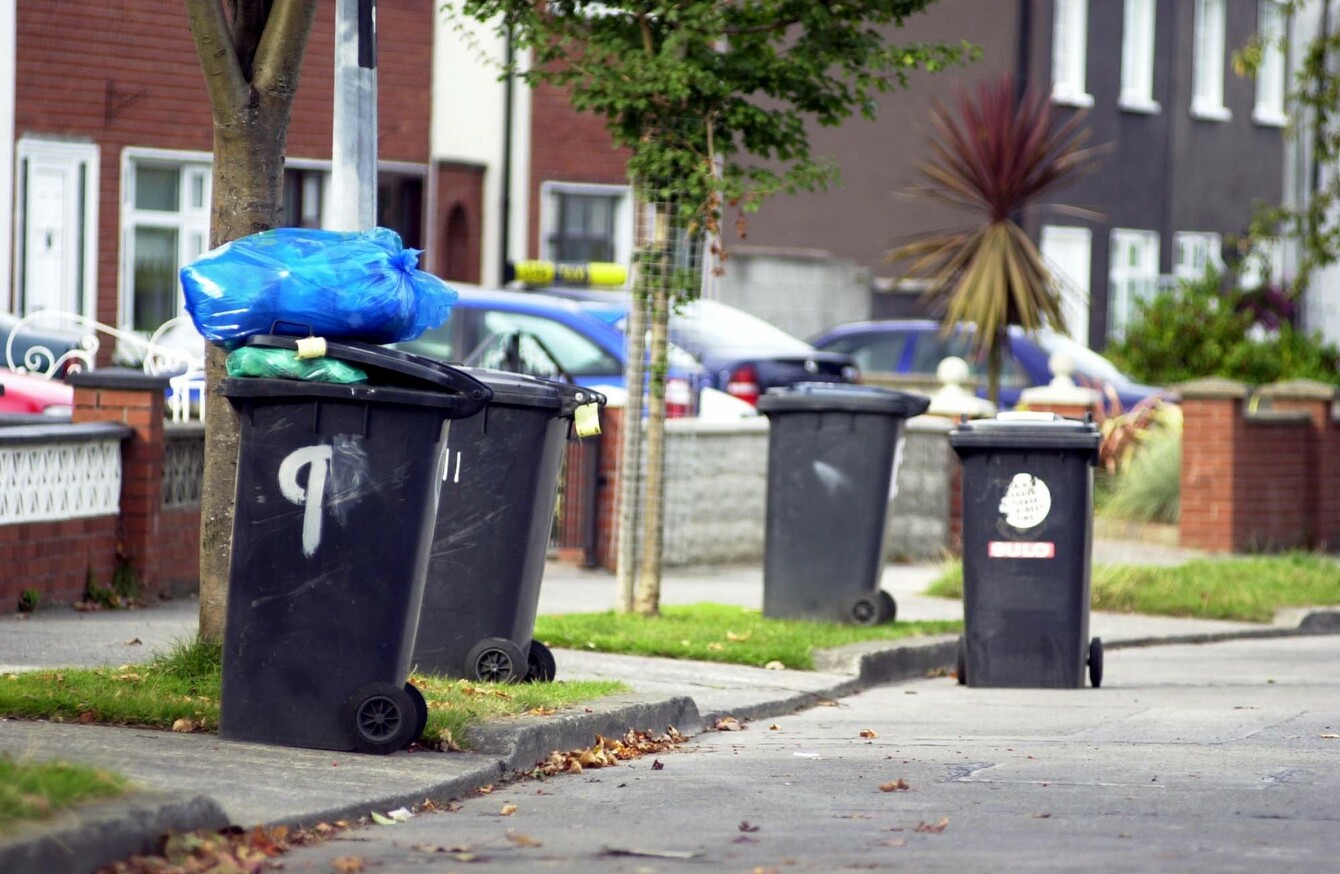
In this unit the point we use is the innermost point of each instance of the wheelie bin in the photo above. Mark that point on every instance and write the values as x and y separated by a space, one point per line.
493 527
337 489
831 454
1027 542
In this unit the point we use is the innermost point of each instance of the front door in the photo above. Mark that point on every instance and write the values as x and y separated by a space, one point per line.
59 204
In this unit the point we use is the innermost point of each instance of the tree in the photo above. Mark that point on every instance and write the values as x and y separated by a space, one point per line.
250 54
712 98
1002 152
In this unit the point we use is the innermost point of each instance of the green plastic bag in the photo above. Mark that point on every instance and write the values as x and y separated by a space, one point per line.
285 364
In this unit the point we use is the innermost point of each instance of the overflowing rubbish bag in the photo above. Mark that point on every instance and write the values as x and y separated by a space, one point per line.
290 364
344 286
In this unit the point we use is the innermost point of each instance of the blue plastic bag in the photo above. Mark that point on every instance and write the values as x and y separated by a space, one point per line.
342 286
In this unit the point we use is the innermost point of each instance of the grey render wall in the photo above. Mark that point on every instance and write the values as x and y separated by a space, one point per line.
716 488
801 291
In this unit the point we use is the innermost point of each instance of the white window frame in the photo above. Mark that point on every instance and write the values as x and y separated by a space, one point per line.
1263 265
192 223
1208 63
1129 283
1194 251
1062 246
1070 55
1272 29
89 155
623 213
1137 56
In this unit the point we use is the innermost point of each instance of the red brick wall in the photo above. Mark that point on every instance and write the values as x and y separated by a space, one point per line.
1273 488
459 185
1210 436
177 551
55 558
567 146
125 73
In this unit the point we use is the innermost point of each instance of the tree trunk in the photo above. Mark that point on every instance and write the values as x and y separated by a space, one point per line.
648 599
251 66
630 456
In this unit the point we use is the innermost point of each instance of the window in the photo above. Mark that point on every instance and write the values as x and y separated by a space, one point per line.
1194 253
931 348
1270 74
1132 278
1137 57
1067 252
166 224
1207 87
541 341
303 197
1070 33
581 223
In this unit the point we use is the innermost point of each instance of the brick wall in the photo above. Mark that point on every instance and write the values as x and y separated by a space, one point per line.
56 559
567 146
1263 480
124 73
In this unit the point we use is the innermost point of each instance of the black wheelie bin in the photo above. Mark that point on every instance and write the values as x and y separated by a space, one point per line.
493 527
337 489
831 453
1027 543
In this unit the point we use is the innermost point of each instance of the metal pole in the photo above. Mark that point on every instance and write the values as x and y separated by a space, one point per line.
505 211
353 178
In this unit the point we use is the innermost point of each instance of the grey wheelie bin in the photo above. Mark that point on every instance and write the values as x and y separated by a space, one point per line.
1027 541
831 452
492 533
337 489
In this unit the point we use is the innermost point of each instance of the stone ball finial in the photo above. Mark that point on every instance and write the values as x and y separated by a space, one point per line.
1062 366
952 371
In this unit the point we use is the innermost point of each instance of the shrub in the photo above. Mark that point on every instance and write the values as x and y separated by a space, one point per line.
1199 329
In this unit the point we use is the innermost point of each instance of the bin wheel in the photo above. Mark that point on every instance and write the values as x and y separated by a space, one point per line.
541 664
1096 662
383 717
887 606
420 710
865 610
496 660
961 661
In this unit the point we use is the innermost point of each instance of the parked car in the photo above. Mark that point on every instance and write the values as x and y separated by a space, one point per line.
34 347
545 336
24 393
742 355
917 346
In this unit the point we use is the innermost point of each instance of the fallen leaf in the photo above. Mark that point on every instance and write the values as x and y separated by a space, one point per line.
746 827
774 727
1331 736
1041 815
657 765
868 733
182 725
899 785
485 790
739 638
716 647
522 840
348 864
727 723
775 665
507 810
134 641
926 827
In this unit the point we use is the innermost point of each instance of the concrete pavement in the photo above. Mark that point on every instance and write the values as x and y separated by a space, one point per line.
197 780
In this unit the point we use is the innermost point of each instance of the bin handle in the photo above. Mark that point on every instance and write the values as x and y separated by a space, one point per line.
466 384
274 326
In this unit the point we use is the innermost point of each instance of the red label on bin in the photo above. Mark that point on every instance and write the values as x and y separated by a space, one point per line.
1020 549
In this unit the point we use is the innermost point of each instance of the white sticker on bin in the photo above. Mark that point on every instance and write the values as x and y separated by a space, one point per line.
1020 549
1027 501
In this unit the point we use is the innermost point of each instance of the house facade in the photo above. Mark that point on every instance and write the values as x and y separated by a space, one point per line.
104 112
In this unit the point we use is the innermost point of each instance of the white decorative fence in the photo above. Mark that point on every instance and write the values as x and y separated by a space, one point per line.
58 472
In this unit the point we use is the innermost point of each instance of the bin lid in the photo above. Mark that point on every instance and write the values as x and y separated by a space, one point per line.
251 391
524 390
842 397
1026 430
390 367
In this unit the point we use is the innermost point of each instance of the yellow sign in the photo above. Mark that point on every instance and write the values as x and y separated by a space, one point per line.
594 273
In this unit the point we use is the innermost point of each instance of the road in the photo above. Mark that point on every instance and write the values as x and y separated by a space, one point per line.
1214 758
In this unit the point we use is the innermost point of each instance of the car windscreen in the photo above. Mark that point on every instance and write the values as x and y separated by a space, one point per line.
1087 362
702 325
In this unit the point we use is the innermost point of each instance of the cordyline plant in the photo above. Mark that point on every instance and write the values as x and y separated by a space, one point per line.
999 154
713 99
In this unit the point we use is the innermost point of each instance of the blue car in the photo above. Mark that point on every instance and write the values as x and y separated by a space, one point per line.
544 336
917 346
740 354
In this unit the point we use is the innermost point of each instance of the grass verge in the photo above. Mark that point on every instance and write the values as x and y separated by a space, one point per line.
180 691
32 791
1242 589
718 633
